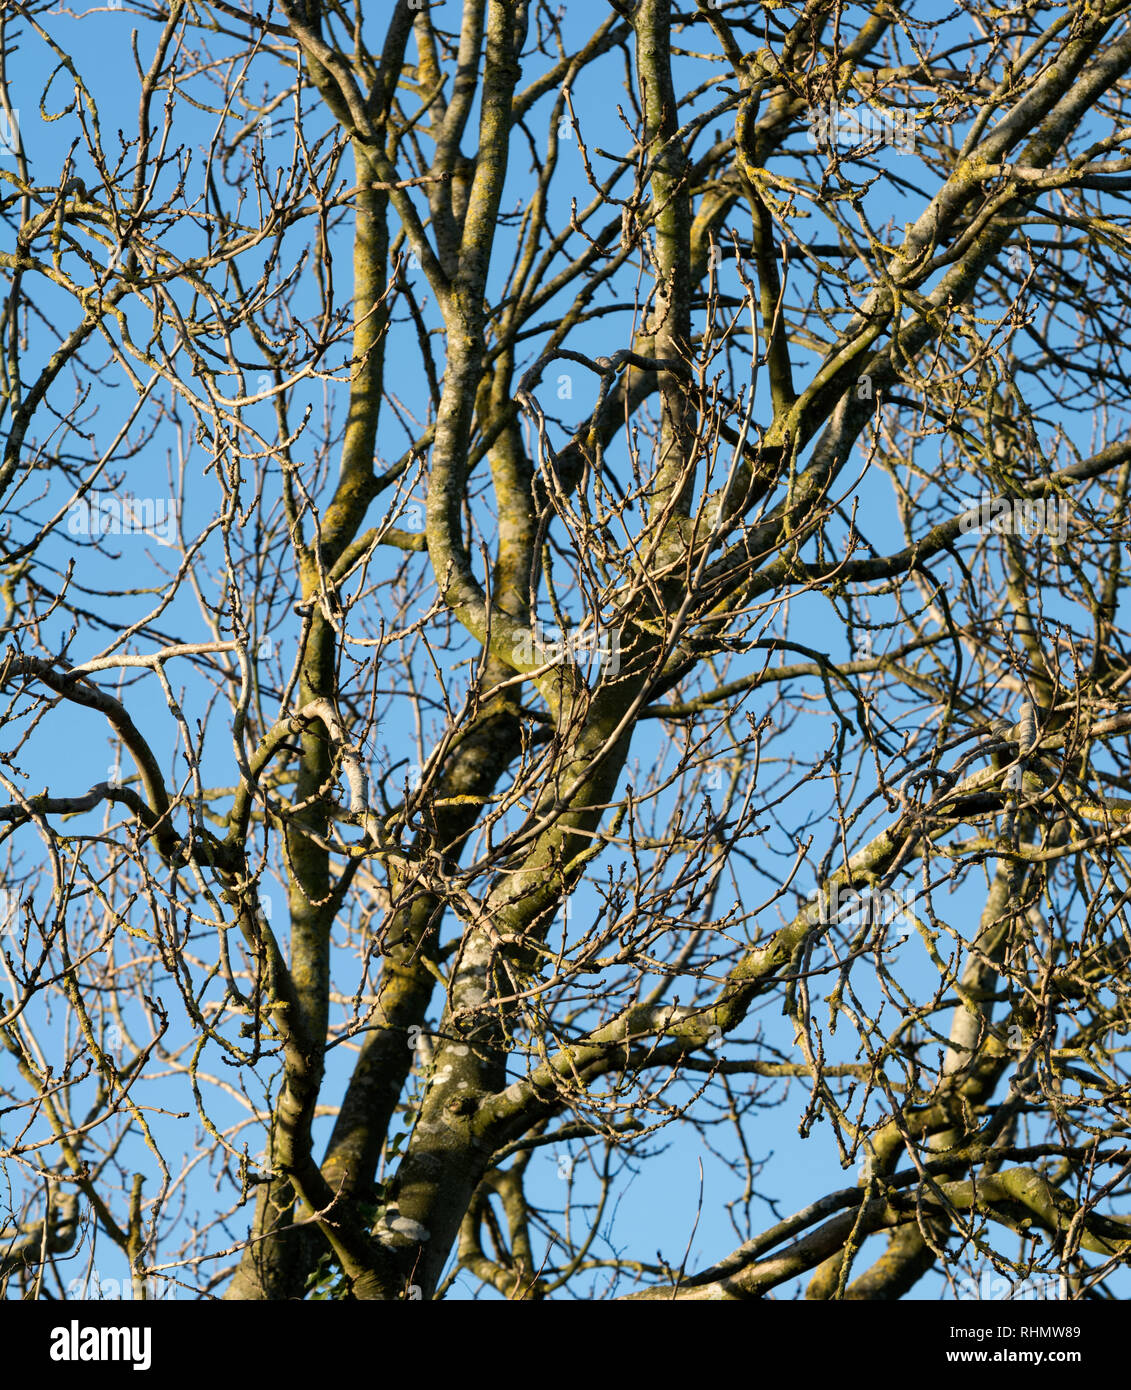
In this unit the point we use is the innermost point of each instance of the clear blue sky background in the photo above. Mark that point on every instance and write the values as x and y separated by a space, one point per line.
658 1210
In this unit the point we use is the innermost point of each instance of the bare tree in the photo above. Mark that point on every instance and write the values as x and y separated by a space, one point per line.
584 550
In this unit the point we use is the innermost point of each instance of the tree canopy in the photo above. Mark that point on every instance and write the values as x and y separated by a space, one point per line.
564 575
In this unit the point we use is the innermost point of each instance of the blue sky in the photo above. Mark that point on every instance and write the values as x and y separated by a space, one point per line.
657 1207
